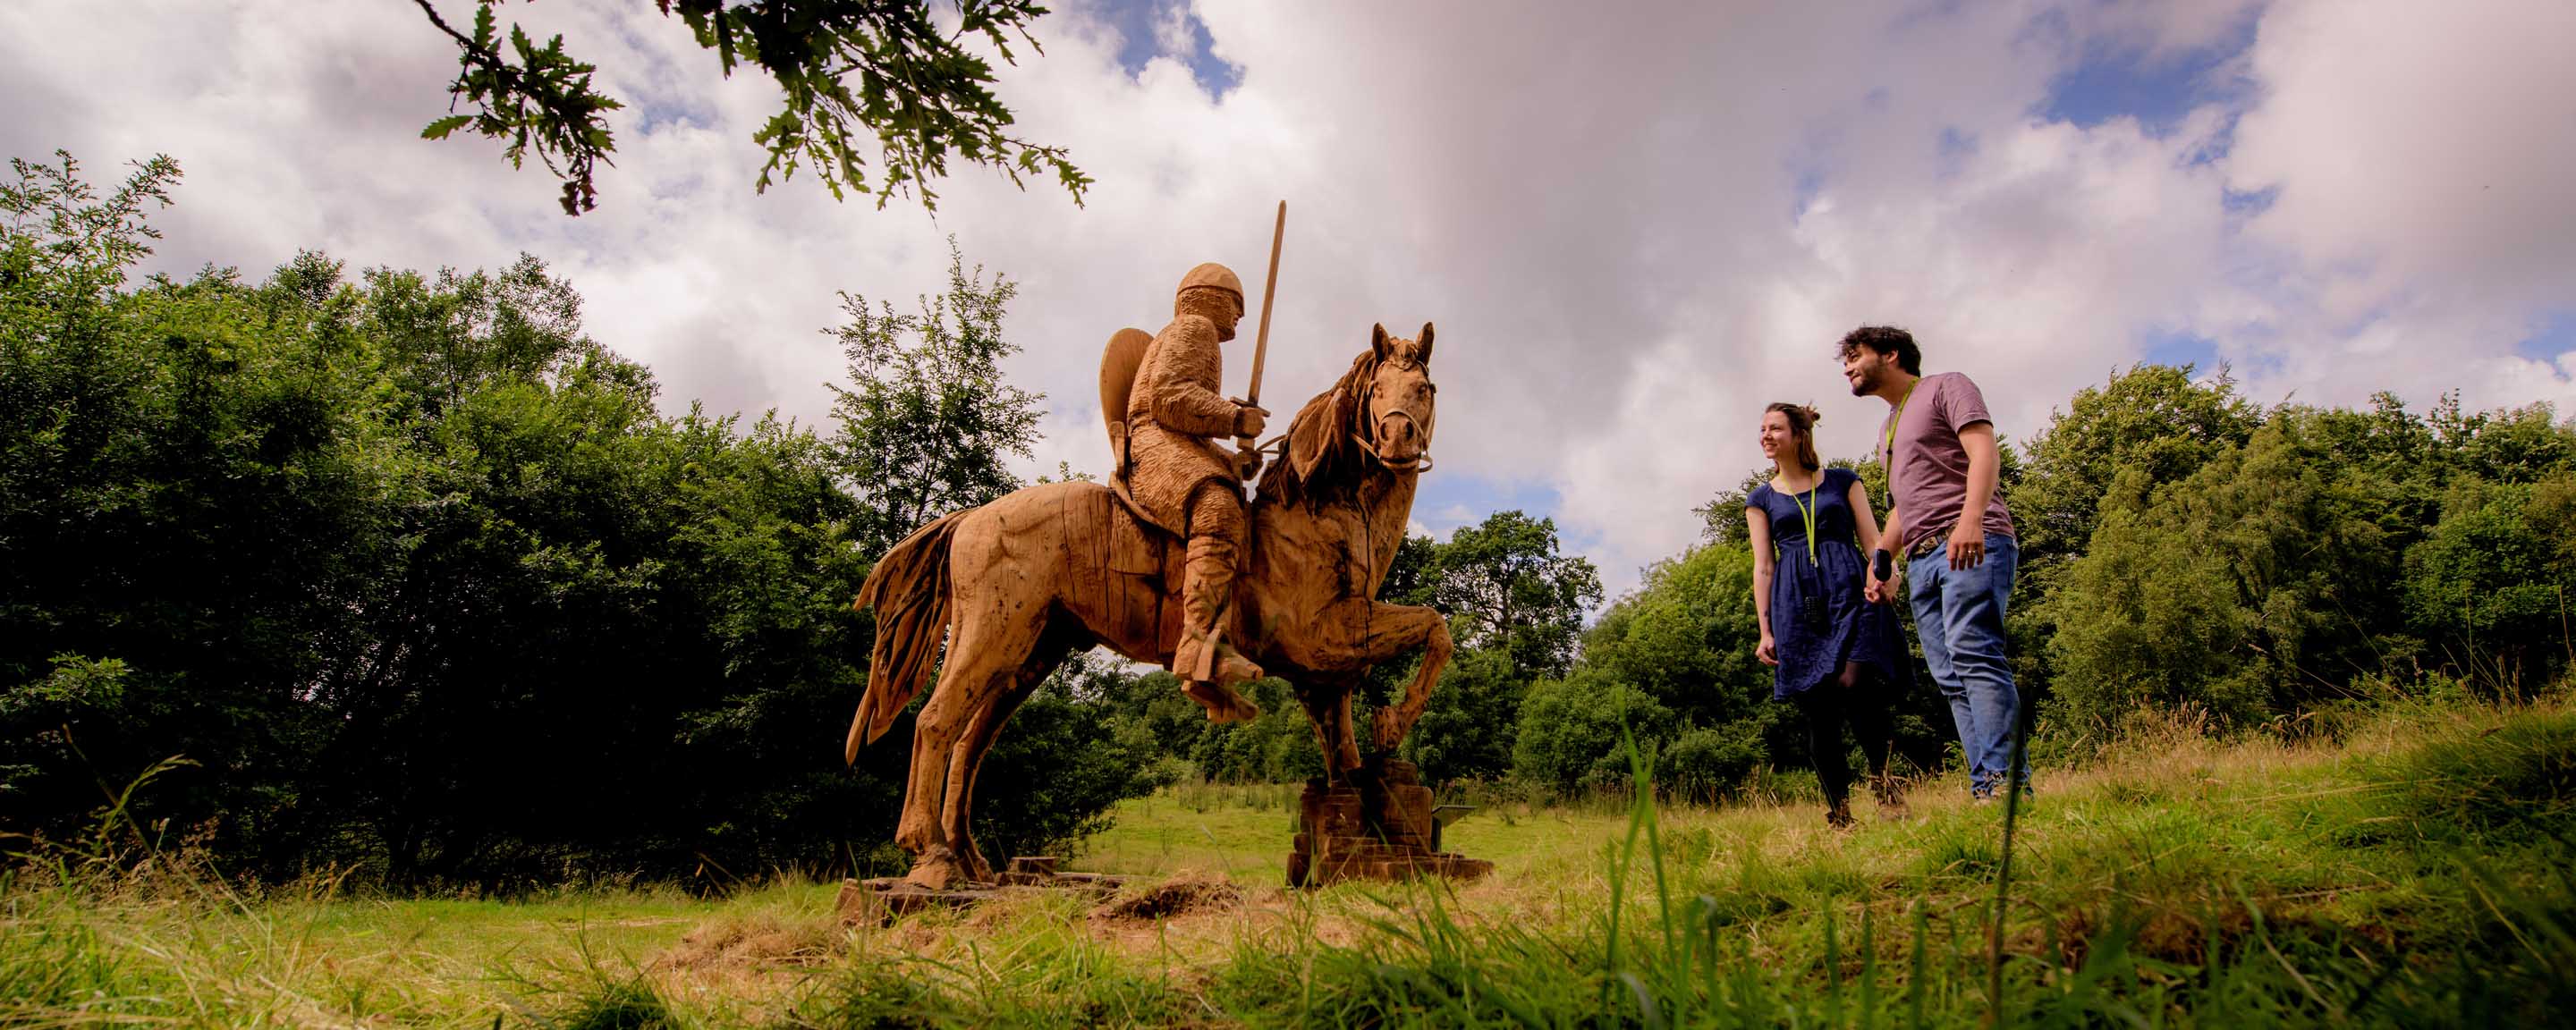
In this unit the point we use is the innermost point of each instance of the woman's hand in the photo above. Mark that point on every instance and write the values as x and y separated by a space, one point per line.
1767 652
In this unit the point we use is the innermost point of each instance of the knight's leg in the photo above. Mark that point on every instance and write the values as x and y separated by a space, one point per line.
1202 661
966 759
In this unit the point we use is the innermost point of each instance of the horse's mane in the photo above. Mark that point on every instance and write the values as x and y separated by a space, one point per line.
1323 462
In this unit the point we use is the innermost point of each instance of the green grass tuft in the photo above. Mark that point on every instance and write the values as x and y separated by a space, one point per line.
2514 780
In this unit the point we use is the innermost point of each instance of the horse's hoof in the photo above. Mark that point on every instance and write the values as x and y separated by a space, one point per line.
974 867
935 870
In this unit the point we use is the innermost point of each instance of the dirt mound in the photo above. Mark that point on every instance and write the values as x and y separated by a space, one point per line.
761 940
1181 895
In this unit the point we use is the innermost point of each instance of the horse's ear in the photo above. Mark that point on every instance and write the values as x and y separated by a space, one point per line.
1422 347
1379 342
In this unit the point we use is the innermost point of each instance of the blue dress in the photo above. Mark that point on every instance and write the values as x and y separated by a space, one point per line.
1853 630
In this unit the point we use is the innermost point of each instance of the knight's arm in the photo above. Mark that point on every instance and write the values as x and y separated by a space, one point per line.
1179 374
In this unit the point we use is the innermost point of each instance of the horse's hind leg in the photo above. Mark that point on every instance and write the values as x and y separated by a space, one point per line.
1061 637
1328 706
984 655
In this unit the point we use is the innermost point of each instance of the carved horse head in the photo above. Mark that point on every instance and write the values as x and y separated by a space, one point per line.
1378 420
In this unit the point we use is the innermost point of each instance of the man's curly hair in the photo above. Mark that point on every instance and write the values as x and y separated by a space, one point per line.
1884 339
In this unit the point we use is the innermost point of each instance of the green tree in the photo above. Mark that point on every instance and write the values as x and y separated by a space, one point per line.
1515 604
420 580
1505 586
187 482
928 423
2490 582
852 71
1572 731
2157 419
2253 586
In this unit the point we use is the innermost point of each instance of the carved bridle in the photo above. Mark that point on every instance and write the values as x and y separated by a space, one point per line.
1368 404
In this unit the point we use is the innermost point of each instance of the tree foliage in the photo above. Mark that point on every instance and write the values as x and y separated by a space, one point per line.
853 72
2157 419
2333 546
421 581
1505 586
928 422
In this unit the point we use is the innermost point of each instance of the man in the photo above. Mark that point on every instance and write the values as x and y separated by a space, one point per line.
1938 446
1178 477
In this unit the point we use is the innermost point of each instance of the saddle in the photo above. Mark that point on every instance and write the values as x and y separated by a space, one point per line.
1132 573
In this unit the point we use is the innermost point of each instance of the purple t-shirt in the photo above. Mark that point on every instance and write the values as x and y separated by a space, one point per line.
1928 475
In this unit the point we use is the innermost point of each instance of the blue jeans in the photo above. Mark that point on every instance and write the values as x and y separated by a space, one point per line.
1959 616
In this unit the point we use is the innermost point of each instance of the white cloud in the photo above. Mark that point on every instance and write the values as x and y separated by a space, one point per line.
1632 229
2422 222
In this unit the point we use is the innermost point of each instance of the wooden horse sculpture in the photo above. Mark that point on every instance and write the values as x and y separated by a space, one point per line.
1017 585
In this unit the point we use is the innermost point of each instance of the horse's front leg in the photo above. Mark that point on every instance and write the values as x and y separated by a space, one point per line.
1353 634
1391 723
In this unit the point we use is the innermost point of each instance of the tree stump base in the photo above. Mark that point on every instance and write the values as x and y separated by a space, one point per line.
1379 826
882 899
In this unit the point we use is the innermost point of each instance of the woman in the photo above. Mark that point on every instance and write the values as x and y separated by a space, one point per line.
1834 654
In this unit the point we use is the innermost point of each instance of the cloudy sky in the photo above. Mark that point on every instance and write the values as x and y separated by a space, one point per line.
1634 225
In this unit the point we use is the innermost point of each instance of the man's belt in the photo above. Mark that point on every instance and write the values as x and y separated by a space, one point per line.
1928 543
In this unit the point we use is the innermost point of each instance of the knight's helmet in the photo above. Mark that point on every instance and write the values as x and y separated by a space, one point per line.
1212 274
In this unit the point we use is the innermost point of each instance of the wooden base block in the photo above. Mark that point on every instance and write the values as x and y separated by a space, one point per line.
883 899
1380 827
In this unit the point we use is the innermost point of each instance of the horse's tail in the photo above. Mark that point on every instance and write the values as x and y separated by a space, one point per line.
909 590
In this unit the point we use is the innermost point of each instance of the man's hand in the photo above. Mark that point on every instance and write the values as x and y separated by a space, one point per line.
1767 652
1875 590
1968 544
1248 420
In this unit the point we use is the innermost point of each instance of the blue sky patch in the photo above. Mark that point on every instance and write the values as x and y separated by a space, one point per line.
2556 335
1139 23
1446 501
2181 348
2118 79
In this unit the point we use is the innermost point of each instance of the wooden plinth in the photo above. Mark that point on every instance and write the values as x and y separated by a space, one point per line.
882 899
1379 826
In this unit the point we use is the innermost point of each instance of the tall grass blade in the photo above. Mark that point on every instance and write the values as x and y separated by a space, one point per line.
2012 785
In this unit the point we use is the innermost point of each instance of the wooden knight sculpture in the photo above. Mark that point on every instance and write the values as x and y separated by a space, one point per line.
1167 565
1171 466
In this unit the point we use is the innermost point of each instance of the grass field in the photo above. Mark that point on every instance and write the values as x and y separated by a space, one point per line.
2415 872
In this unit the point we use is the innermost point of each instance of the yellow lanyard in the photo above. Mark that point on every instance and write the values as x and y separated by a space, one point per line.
1891 431
1807 514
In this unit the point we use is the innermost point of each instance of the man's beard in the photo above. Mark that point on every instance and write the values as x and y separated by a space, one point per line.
1865 385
